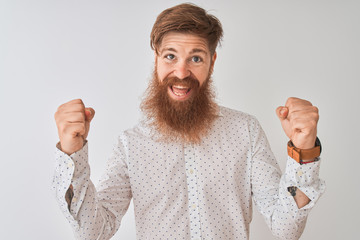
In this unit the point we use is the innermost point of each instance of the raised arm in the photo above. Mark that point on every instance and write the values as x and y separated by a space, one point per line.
94 213
299 120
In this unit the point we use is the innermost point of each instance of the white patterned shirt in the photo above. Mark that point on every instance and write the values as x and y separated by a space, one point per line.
188 191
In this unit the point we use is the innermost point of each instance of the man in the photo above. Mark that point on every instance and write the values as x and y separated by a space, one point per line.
191 166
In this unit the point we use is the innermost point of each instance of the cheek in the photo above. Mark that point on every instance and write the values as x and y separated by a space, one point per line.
203 78
161 72
202 75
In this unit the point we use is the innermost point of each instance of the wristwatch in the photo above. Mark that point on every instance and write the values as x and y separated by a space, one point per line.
304 156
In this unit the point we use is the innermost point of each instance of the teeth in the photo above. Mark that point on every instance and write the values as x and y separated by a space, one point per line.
179 94
180 90
180 87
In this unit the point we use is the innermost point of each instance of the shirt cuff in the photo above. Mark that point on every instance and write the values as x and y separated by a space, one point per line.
68 168
306 178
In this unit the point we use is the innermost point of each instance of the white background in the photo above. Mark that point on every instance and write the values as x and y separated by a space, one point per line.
55 51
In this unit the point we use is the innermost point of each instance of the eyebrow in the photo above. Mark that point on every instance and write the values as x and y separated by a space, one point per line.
168 49
195 50
198 50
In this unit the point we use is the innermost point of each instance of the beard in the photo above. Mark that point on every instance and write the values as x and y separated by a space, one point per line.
180 120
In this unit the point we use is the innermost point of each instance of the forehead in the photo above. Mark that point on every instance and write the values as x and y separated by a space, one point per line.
183 41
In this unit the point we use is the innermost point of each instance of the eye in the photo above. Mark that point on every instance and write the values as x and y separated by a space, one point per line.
170 56
196 59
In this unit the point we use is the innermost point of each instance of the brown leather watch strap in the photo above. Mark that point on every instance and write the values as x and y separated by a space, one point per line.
303 156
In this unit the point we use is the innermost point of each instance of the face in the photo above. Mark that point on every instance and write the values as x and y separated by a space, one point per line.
179 101
183 56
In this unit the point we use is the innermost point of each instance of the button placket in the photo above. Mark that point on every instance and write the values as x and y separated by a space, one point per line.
70 164
193 199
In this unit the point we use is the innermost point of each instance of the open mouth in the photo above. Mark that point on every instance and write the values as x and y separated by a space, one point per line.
179 92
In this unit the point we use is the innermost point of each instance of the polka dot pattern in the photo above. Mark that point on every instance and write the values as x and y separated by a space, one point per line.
188 191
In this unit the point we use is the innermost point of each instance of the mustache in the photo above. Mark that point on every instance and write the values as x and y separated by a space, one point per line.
189 82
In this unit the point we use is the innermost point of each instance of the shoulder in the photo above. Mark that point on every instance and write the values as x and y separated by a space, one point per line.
138 133
229 114
232 119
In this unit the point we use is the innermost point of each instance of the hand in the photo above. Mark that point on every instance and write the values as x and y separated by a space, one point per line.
299 120
73 123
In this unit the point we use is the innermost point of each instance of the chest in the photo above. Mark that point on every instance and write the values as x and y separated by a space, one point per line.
174 168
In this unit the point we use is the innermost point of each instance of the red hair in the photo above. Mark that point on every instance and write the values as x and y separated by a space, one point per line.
187 18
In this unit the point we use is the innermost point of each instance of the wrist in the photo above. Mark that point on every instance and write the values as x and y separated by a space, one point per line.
72 147
308 143
303 156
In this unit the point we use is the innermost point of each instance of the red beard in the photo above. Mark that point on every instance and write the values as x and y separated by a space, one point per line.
187 120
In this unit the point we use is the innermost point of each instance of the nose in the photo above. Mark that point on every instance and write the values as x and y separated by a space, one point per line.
182 70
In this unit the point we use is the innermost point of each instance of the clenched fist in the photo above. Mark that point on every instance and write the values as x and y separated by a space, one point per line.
73 123
299 120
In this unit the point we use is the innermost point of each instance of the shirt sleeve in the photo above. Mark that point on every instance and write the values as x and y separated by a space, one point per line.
269 187
93 213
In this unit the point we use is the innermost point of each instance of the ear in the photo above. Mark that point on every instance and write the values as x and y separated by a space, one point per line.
155 56
213 59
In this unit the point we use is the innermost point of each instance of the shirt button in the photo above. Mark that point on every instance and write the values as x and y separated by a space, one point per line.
300 173
74 199
70 165
193 206
191 171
